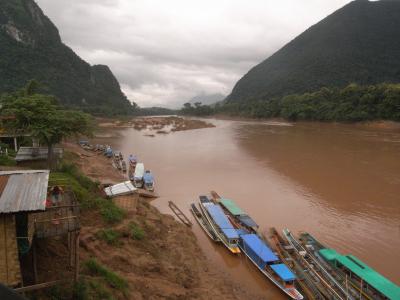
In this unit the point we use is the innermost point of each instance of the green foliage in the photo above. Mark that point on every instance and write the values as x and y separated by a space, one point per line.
110 212
7 160
136 232
350 104
91 288
357 43
155 111
114 280
109 235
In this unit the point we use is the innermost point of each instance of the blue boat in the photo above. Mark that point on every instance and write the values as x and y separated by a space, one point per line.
220 224
268 263
148 180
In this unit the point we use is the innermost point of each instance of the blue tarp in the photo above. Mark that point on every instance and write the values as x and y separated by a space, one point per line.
219 217
148 178
283 272
241 231
246 220
259 248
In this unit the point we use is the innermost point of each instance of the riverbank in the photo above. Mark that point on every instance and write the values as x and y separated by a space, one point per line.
167 263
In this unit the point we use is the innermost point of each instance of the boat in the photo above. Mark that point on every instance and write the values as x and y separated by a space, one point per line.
239 216
132 159
123 165
108 152
325 274
220 224
363 281
269 264
204 224
138 175
312 286
148 181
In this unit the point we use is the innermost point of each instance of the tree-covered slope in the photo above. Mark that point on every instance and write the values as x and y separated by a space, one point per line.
31 48
359 43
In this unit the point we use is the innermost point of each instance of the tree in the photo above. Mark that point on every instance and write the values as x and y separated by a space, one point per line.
42 117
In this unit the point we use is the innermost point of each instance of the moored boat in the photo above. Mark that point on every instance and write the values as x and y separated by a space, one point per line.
123 164
363 281
148 181
269 264
138 175
204 224
220 224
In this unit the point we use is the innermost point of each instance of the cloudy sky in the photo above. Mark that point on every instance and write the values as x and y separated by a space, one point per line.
165 52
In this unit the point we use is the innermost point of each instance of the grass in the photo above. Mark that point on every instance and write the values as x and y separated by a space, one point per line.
110 236
136 232
93 288
110 212
7 161
109 276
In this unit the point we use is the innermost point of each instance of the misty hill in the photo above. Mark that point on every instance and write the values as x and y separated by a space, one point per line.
31 48
207 99
358 43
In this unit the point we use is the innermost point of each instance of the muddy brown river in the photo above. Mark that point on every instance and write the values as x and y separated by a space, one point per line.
339 182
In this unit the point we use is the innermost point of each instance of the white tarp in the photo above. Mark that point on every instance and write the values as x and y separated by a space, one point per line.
123 188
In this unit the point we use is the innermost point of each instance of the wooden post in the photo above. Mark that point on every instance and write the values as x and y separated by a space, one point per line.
34 256
76 255
15 144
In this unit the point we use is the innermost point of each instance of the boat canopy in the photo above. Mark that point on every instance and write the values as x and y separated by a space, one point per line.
232 207
132 158
217 214
204 199
369 275
123 188
139 170
246 220
148 177
283 272
259 248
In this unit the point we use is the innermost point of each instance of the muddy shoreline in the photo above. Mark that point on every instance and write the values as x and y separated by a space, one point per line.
167 264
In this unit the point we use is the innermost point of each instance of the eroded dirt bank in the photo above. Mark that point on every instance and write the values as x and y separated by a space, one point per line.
166 264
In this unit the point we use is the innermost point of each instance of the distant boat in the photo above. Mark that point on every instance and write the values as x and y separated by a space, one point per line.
108 152
148 180
220 224
204 224
123 164
138 175
132 159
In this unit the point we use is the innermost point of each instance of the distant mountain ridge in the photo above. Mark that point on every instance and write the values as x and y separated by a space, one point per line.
358 43
207 99
31 48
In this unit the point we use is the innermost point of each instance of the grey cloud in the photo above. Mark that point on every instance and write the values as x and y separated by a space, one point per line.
166 52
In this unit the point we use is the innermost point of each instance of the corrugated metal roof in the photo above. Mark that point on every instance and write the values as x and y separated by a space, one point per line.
25 190
123 188
36 153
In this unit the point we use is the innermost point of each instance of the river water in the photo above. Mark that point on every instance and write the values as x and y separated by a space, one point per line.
339 182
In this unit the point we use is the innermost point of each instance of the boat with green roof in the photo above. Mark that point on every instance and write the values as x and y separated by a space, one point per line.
365 282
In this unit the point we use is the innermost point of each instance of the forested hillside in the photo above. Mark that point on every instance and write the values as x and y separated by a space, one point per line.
358 43
31 48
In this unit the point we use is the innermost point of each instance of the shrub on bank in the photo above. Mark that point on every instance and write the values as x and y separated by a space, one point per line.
136 232
113 279
110 212
110 236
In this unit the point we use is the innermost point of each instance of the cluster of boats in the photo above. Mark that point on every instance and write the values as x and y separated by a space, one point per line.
302 267
138 175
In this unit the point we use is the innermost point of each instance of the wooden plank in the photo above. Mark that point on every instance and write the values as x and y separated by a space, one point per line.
181 216
39 286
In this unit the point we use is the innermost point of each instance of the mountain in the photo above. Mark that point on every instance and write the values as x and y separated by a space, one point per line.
207 99
358 43
31 48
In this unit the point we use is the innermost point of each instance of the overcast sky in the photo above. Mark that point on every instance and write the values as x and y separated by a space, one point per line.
164 52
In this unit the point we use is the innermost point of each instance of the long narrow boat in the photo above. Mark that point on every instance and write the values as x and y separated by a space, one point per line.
204 224
258 250
325 275
309 282
269 264
220 224
362 280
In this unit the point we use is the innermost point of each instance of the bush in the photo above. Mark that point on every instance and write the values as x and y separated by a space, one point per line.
110 212
7 161
136 232
110 277
110 236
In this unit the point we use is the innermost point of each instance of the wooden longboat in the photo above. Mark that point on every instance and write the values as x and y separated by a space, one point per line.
327 277
220 224
257 249
204 224
309 283
360 280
